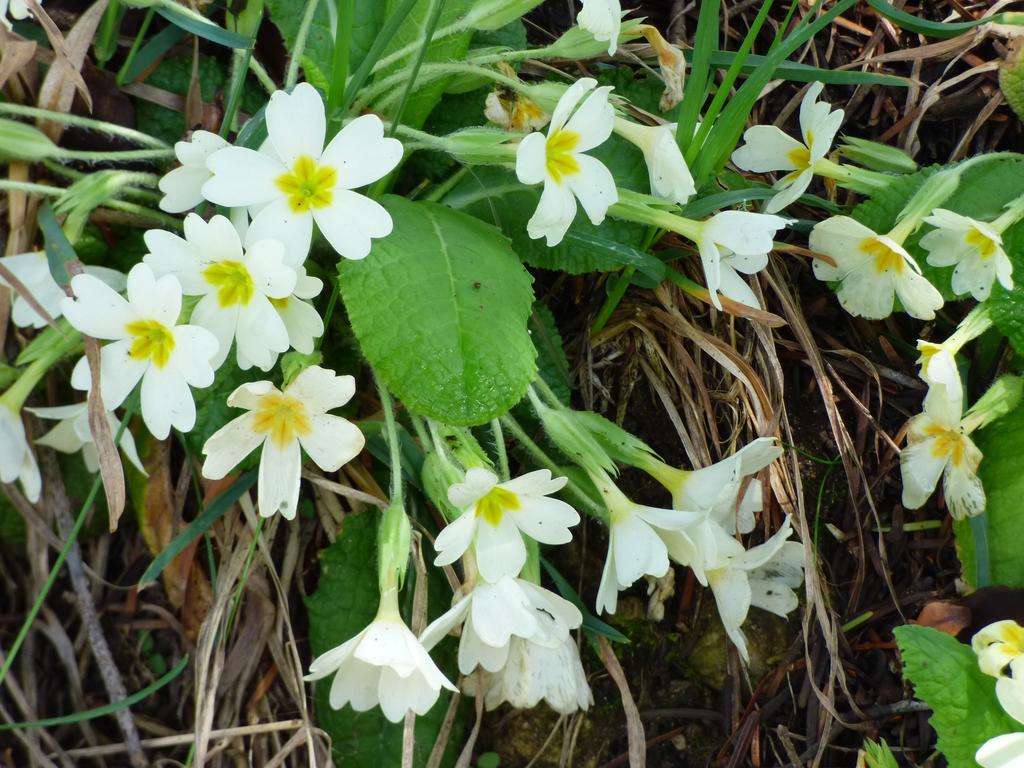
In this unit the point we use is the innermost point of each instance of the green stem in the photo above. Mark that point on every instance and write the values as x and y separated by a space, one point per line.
116 156
500 449
611 302
122 73
239 66
380 42
394 446
83 122
853 177
339 70
237 601
292 76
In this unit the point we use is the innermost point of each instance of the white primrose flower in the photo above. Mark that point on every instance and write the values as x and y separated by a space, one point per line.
998 645
602 19
295 180
939 445
871 270
183 186
148 345
237 286
974 247
283 423
496 515
72 434
733 241
383 665
536 672
768 149
17 462
493 615
938 368
670 177
558 160
763 576
1005 751
16 9
636 546
33 271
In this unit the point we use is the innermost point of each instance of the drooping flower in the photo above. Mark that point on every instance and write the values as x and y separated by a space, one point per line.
1005 751
295 180
731 241
558 161
72 434
285 423
669 176
635 544
237 286
939 445
17 462
496 515
536 672
602 19
767 148
763 576
871 270
514 111
383 665
938 367
148 345
493 614
183 186
974 247
32 270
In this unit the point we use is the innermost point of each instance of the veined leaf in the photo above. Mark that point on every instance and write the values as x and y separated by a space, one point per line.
440 308
945 674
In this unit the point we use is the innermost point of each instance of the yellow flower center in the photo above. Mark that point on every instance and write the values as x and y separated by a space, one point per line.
493 505
308 185
233 282
801 158
283 417
558 154
1012 634
152 340
986 245
886 258
947 442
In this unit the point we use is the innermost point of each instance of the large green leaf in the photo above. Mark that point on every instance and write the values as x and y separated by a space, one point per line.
945 674
985 189
344 602
440 309
411 36
319 50
1002 443
1008 305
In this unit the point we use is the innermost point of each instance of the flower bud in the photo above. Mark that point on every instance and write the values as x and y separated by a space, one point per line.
480 146
20 141
486 15
578 43
393 541
876 156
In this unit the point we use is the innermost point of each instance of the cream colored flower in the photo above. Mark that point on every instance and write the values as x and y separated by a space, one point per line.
73 434
32 270
286 423
974 248
17 462
670 177
602 19
183 186
558 161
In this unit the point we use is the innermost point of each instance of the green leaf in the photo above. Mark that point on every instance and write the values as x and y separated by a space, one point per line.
552 363
985 188
945 674
1008 305
59 250
913 23
287 15
440 308
412 34
344 602
1002 444
204 29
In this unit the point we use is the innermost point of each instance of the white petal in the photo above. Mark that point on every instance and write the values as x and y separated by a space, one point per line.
194 348
213 240
361 154
536 483
153 297
455 538
332 442
476 484
501 610
568 101
330 661
964 492
732 286
166 402
1005 751
546 520
260 333
439 628
272 275
242 177
840 238
183 188
921 470
555 211
279 478
356 683
351 221
593 121
296 124
119 373
97 310
226 447
594 185
732 595
638 551
277 221
920 298
790 191
500 550
219 321
303 324
531 162
602 19
608 590
321 389
867 293
171 255
744 232
1010 692
766 149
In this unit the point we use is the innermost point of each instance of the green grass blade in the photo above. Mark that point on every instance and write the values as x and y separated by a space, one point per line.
704 43
211 514
106 709
799 72
154 48
912 23
731 74
339 69
202 28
